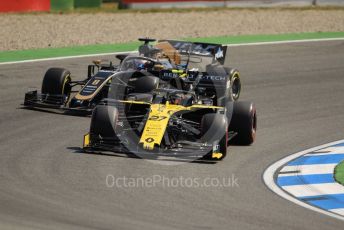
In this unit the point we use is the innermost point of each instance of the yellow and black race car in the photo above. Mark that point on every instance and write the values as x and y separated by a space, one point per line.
170 122
201 67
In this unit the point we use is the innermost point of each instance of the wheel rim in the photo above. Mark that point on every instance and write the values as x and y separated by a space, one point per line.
66 88
254 125
236 87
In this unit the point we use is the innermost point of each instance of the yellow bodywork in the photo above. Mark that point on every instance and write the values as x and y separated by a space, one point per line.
86 140
157 122
158 119
217 155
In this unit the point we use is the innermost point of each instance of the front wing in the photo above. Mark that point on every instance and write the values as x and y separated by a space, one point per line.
180 149
33 99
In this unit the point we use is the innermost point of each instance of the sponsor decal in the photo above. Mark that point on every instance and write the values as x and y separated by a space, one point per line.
214 78
219 54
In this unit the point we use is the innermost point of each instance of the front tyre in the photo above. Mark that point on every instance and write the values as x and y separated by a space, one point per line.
104 121
214 130
243 121
56 82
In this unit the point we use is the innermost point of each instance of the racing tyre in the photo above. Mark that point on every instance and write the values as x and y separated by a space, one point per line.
56 82
232 89
103 121
214 127
145 84
242 120
235 83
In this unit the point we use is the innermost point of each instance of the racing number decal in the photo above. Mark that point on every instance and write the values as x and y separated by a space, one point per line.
93 86
156 124
157 118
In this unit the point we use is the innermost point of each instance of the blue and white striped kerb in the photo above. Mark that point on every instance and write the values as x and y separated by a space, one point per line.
310 178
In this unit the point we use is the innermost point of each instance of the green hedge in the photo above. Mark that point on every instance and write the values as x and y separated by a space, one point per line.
71 4
339 173
61 4
87 3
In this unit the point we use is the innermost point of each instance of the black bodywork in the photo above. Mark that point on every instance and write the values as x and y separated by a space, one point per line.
200 68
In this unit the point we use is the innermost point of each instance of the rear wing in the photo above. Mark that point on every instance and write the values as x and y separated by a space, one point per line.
217 51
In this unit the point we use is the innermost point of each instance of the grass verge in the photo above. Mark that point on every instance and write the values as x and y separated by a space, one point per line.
339 173
20 55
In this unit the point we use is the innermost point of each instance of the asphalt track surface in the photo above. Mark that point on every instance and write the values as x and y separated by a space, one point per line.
46 183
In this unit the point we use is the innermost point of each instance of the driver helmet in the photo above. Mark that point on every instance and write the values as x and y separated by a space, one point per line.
140 64
136 64
176 99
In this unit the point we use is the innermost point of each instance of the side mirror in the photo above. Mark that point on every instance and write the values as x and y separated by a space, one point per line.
121 57
90 71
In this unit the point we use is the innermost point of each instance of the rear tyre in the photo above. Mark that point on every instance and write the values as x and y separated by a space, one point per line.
235 83
56 82
232 85
103 121
214 129
145 84
243 121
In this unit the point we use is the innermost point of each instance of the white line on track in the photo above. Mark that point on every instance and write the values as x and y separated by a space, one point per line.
269 180
340 211
61 58
230 45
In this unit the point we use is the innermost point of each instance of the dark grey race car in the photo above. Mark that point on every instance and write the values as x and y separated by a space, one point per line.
201 67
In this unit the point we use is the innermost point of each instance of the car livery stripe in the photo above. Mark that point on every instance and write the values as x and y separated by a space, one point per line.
307 178
94 85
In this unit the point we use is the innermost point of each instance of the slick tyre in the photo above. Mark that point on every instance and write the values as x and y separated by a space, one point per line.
231 87
235 83
56 82
214 129
243 121
103 121
145 84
